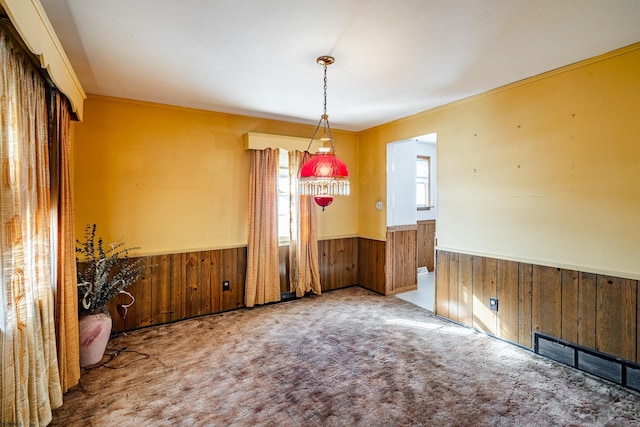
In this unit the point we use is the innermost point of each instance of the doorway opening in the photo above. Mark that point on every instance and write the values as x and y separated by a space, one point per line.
412 201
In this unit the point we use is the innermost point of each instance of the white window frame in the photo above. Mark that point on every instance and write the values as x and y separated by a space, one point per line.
423 182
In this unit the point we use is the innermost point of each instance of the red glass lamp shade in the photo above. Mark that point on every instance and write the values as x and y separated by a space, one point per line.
324 176
323 201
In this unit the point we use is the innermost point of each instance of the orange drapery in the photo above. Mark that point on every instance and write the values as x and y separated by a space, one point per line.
263 274
66 291
303 236
30 382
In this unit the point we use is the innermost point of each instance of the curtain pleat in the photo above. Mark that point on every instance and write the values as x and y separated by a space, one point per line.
66 290
29 377
304 266
263 273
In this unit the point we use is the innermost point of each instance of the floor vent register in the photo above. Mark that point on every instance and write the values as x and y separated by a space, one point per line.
617 370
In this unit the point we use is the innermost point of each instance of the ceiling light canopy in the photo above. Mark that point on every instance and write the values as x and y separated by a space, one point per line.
324 175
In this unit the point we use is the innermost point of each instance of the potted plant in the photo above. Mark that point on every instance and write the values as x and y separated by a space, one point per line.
104 271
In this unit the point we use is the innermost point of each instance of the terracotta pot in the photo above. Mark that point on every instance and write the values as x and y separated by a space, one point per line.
94 336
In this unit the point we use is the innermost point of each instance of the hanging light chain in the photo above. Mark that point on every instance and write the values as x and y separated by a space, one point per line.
325 92
324 119
325 116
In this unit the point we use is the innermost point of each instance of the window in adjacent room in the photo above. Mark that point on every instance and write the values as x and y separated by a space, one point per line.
423 196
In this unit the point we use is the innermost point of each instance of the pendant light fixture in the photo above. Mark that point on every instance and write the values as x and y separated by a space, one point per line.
324 175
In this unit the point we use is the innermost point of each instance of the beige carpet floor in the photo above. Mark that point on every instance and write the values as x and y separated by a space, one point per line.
345 358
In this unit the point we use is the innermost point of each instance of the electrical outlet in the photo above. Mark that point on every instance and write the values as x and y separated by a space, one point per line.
225 286
493 304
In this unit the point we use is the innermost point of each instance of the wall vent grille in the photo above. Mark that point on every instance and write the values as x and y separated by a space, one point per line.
614 369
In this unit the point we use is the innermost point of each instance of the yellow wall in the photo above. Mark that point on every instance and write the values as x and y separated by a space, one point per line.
546 170
372 185
172 179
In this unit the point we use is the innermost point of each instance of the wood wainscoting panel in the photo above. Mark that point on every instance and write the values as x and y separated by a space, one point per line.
207 288
195 290
525 307
184 285
616 317
215 297
176 287
371 268
161 307
508 293
179 286
594 311
454 288
233 267
400 262
465 289
587 298
637 322
426 244
484 287
138 313
547 300
443 281
149 306
569 300
338 261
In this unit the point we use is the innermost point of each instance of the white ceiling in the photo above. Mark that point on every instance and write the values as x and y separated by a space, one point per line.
394 58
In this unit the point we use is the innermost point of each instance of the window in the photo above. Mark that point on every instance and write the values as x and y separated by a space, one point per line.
423 196
284 183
